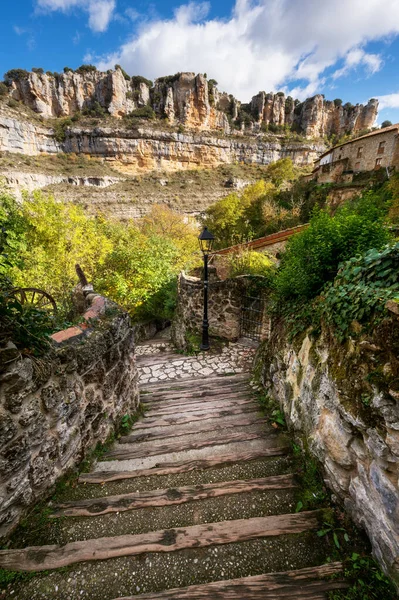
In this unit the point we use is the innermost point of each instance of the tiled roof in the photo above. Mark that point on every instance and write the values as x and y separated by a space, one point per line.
265 241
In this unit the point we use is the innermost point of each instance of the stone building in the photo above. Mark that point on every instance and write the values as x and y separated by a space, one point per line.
376 150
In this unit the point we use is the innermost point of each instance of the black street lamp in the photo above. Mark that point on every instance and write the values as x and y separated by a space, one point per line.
206 240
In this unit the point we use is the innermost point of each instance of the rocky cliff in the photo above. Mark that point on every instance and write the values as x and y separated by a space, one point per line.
187 99
147 147
344 400
124 171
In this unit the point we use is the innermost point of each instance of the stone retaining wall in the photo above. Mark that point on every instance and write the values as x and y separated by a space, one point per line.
344 401
54 409
225 300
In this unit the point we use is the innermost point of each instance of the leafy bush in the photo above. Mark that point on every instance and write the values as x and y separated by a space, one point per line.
28 327
135 264
125 75
313 256
12 103
361 289
15 75
60 129
227 218
368 581
145 112
248 262
289 104
86 69
68 70
338 102
94 110
38 71
3 89
169 79
48 239
161 304
386 124
137 79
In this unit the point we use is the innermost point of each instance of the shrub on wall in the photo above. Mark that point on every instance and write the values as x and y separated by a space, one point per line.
137 79
15 75
145 112
361 289
313 256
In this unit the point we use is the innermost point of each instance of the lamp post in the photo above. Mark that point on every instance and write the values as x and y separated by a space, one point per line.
206 240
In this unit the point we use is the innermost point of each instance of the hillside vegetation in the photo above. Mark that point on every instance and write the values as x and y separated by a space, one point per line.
136 263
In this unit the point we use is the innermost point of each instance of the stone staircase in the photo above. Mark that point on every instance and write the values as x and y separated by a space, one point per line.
198 501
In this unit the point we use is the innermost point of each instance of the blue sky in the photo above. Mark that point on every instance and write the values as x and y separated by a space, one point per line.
346 49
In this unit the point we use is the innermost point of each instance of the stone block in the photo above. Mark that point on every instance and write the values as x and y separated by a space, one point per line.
8 430
15 456
335 437
51 396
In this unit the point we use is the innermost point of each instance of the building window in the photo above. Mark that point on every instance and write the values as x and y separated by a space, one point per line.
360 152
378 163
357 166
381 148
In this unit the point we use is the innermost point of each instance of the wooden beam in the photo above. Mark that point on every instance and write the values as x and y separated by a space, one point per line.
306 584
166 420
43 558
201 408
141 451
169 497
101 477
200 427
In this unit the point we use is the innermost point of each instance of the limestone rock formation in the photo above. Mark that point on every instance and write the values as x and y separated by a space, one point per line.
64 94
315 117
187 99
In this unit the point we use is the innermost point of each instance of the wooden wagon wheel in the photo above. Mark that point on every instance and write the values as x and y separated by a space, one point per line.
35 297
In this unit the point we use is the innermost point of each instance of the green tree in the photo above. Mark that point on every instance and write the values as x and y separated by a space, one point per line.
228 219
15 75
281 171
86 69
386 124
57 236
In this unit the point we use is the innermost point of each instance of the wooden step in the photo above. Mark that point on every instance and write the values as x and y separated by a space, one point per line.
168 497
133 451
179 400
198 392
194 382
304 584
201 408
43 558
200 427
221 459
168 420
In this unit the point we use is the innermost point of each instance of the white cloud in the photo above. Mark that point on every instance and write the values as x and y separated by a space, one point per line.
100 11
389 101
357 58
20 30
100 14
264 44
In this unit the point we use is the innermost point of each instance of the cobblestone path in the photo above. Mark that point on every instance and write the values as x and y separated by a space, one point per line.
197 501
157 360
